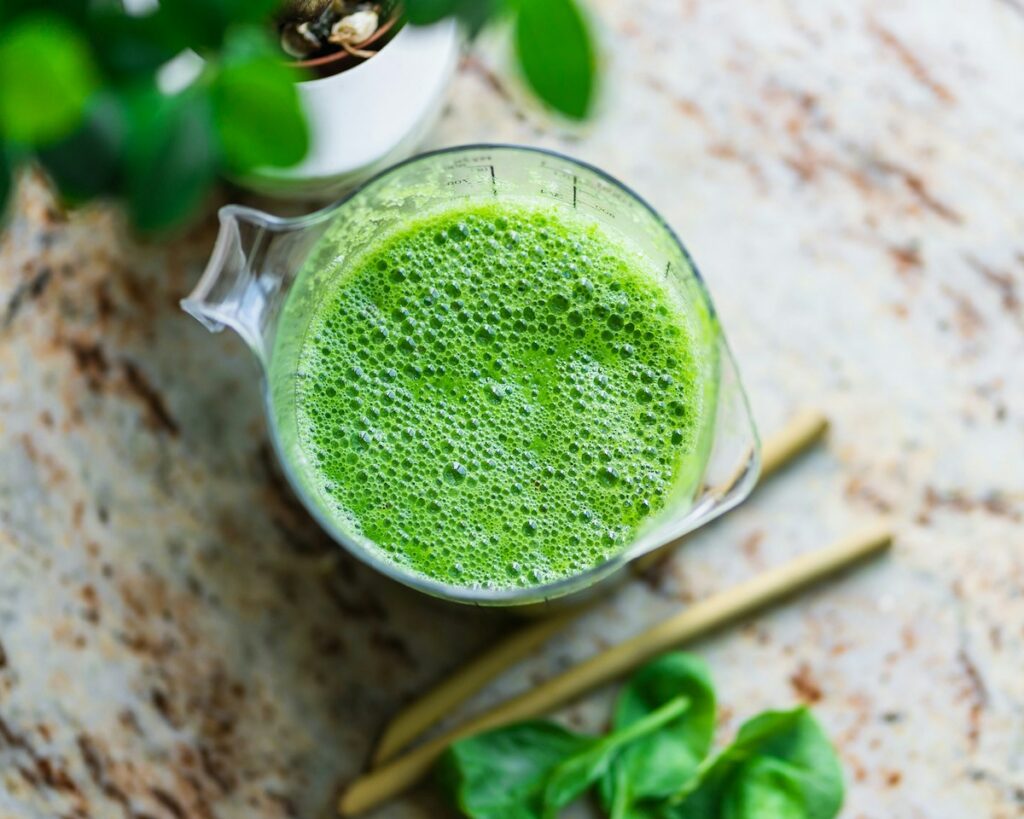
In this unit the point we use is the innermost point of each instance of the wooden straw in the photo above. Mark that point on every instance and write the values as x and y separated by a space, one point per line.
412 721
800 432
783 446
397 776
803 430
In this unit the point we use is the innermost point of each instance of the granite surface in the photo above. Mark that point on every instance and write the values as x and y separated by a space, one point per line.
178 640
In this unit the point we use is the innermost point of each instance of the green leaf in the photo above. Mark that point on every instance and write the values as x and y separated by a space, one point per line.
88 163
249 11
768 787
203 24
557 54
501 774
575 775
46 78
659 764
257 111
128 46
534 769
75 11
425 12
196 24
171 157
780 760
473 13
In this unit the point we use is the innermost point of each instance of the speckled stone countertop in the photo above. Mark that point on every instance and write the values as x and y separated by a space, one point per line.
177 639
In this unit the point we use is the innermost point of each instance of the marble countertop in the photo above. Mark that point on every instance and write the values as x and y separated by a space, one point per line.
177 639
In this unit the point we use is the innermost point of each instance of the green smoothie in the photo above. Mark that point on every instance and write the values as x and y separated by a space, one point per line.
499 396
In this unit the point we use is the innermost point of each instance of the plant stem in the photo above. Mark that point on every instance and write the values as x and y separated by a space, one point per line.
648 725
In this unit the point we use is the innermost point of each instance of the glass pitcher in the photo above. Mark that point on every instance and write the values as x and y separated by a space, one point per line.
266 275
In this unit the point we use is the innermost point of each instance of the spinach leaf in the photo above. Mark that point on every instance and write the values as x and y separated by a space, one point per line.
768 787
652 765
575 775
502 774
534 769
780 765
657 765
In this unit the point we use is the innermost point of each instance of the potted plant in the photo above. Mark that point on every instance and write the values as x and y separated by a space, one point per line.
115 111
372 91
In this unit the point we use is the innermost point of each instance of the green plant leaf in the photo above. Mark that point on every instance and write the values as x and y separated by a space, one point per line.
652 765
75 11
475 14
571 778
502 774
88 162
780 760
657 765
557 54
249 11
257 111
768 787
425 12
46 78
128 46
202 24
171 156
196 24
472 13
534 769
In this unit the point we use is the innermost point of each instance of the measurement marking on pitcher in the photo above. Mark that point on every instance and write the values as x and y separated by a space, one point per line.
668 267
574 191
466 182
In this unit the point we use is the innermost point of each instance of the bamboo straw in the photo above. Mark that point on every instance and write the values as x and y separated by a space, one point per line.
464 683
402 773
802 430
779 449
799 433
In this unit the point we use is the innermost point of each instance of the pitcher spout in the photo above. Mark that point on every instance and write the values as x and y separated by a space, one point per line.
249 273
215 299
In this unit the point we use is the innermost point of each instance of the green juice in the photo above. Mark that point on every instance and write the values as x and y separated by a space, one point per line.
499 396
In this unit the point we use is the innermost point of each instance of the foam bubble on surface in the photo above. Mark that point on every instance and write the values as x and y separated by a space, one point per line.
497 397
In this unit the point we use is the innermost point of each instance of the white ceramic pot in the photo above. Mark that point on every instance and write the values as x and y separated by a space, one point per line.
369 116
361 120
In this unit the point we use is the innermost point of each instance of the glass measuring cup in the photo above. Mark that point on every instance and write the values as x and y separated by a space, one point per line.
266 276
